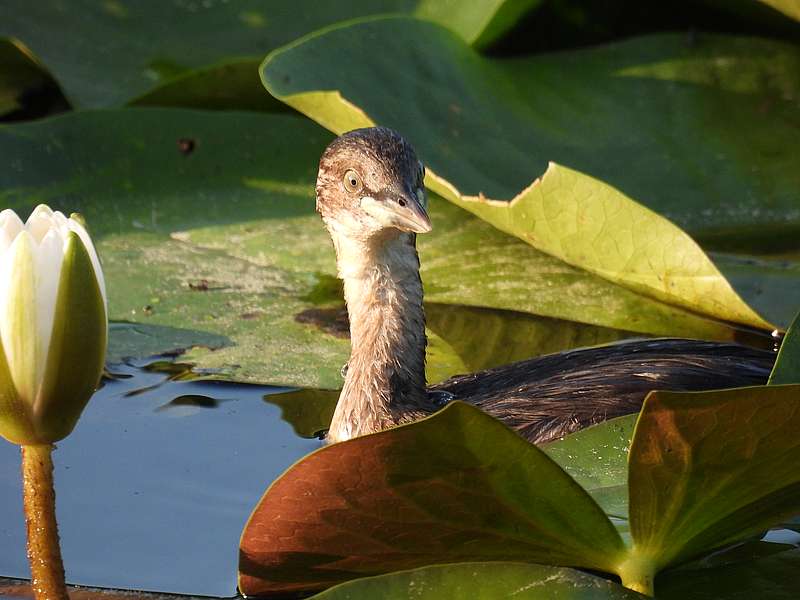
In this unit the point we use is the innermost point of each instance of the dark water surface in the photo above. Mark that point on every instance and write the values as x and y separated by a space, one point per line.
156 482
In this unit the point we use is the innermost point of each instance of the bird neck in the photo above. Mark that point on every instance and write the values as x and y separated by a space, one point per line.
385 380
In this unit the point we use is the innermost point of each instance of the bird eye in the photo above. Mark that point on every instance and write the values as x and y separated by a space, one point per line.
352 182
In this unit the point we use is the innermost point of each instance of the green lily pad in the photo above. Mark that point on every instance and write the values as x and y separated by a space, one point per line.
769 284
454 259
482 581
410 497
773 577
139 340
493 125
479 22
597 458
221 86
709 469
108 52
745 552
787 365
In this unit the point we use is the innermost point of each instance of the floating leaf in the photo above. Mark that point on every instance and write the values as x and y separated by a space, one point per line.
708 469
493 125
482 581
138 340
597 458
479 22
466 262
770 578
221 86
410 497
770 284
787 365
108 52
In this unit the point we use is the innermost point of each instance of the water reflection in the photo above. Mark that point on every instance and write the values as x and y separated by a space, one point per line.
157 481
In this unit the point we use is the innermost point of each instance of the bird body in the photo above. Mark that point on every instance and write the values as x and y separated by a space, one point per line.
371 198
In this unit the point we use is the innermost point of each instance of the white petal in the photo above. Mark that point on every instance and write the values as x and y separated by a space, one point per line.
40 222
10 223
61 222
49 257
5 241
42 209
87 242
18 314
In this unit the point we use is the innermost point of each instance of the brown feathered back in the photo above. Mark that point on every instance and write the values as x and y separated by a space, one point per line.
550 396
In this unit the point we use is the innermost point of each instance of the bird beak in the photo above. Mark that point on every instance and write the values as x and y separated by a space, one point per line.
399 209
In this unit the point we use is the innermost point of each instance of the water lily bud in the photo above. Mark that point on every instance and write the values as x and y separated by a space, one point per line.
53 325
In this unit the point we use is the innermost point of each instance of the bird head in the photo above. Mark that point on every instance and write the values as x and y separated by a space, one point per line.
370 182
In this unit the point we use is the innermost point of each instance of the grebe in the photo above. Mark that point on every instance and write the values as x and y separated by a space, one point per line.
371 197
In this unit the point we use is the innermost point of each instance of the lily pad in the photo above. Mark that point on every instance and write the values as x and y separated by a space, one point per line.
597 458
482 581
138 340
221 86
107 52
493 125
769 284
787 365
709 469
770 578
454 270
410 497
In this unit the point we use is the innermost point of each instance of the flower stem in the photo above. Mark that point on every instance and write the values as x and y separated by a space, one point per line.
39 498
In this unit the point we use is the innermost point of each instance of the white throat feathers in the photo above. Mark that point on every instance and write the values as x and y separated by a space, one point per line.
385 378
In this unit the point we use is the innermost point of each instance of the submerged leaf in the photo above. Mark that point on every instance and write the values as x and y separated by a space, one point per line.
409 497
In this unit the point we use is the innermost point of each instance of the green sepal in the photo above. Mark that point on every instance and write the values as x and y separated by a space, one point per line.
77 346
15 417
